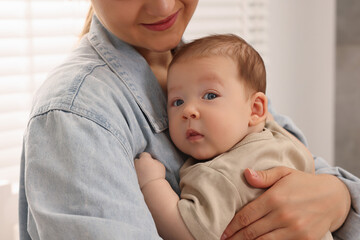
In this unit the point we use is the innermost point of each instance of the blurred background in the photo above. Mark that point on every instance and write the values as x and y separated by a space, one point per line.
311 51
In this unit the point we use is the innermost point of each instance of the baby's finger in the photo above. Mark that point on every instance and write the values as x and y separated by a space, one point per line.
145 155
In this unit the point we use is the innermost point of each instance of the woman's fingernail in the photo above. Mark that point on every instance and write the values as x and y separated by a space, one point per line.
223 236
253 173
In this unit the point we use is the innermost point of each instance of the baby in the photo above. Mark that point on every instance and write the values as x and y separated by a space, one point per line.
217 111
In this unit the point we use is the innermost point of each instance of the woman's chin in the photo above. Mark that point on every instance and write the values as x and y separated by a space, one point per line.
166 46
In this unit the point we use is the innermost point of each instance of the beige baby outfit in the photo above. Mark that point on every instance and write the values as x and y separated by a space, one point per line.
213 191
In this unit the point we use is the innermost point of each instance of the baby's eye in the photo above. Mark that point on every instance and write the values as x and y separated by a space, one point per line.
177 102
210 96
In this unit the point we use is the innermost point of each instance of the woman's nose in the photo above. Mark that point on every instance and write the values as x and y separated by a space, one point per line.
160 8
190 112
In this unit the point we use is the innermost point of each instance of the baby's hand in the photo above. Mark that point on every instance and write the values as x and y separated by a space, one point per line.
148 169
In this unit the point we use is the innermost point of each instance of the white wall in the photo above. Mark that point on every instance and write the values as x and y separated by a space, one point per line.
300 66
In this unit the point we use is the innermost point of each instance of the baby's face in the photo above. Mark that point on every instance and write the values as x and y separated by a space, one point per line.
208 108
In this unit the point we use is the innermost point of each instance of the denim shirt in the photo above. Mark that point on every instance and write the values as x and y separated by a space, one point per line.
92 116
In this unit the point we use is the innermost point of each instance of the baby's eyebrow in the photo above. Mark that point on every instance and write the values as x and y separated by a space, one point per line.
212 77
173 88
172 92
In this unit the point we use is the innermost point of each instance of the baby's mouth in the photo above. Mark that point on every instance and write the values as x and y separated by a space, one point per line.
193 135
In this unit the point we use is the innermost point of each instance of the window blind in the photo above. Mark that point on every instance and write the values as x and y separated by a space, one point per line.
245 18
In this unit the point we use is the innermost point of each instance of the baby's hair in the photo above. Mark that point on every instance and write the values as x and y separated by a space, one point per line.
250 64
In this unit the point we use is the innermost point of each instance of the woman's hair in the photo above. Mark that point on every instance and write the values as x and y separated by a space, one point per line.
250 64
87 24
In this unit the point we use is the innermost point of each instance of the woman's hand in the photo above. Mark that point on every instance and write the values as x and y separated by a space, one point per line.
148 169
298 205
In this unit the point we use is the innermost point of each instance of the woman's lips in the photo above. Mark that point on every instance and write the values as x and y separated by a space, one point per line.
163 24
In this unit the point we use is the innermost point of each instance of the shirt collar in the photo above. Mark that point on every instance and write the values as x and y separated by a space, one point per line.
134 71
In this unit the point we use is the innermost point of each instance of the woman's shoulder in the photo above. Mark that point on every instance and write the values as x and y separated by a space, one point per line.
111 84
83 84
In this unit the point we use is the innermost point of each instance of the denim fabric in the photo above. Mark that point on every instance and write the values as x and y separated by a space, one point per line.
89 120
93 115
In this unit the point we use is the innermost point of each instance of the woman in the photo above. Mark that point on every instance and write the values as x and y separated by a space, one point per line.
105 105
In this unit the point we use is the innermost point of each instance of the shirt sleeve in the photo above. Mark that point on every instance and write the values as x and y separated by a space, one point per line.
208 202
79 182
350 230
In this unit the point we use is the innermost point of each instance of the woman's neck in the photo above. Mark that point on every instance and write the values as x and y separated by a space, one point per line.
158 62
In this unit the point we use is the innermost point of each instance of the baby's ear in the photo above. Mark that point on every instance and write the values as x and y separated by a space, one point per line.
259 109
